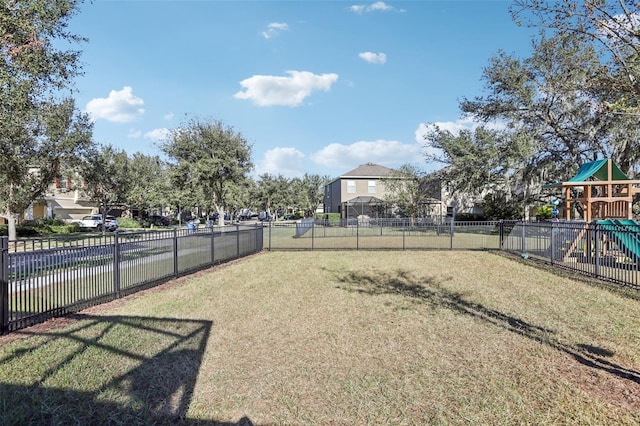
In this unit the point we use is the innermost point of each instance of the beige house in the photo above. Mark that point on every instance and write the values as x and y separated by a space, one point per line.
62 201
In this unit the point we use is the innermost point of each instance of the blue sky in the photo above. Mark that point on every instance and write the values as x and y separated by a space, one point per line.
315 86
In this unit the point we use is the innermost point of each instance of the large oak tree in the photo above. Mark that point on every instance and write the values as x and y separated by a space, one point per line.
39 128
211 160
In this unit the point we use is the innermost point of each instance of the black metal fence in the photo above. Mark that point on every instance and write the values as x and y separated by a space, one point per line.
609 250
45 278
382 234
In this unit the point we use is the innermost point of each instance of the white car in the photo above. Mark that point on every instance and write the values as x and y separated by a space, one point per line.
94 222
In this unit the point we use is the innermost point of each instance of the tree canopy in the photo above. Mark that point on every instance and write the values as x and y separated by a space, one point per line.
542 116
105 176
211 159
39 127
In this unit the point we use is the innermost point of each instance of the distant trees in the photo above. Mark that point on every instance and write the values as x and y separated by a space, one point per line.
310 192
149 182
105 176
272 193
210 159
40 129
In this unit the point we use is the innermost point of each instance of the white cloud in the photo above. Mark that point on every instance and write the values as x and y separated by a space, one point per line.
373 58
268 90
274 28
168 116
159 135
281 161
120 106
134 134
373 7
383 152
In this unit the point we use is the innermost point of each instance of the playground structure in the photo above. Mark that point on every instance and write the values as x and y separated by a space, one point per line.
605 196
605 192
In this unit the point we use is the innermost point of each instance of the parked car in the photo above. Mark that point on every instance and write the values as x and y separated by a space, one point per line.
158 220
94 222
216 215
294 216
111 223
245 214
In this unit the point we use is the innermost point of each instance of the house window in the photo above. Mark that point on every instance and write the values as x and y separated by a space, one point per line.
371 186
63 182
351 187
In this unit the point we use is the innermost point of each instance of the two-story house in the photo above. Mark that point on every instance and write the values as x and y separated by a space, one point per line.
358 192
63 201
361 192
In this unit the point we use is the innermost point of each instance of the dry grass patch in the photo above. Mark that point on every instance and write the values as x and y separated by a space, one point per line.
341 338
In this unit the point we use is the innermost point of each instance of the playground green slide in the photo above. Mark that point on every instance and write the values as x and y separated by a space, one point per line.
626 233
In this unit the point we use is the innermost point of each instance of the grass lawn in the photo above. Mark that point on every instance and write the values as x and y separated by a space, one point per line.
382 337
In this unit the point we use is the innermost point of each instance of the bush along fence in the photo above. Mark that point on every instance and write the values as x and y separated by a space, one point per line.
45 278
608 250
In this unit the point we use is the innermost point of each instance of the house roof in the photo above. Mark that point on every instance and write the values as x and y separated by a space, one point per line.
365 200
370 170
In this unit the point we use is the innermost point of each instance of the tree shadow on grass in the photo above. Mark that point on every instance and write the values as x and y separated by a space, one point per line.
124 387
428 291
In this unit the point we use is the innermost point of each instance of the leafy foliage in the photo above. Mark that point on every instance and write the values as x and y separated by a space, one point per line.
211 163
540 119
105 176
149 182
497 205
406 189
272 193
39 128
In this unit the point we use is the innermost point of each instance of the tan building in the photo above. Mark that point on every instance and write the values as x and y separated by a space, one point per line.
358 192
62 201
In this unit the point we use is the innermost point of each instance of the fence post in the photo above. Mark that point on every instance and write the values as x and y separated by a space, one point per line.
596 243
269 234
259 237
554 231
453 219
501 234
116 265
4 284
403 242
213 246
313 229
523 244
357 233
175 252
237 240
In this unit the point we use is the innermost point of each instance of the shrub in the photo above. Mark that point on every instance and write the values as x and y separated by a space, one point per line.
30 231
69 228
470 217
544 213
129 223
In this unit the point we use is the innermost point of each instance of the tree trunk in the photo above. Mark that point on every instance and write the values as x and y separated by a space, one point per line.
220 211
11 225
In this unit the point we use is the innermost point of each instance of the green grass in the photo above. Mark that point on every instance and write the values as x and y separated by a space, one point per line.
384 337
352 238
